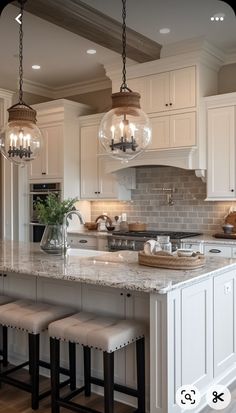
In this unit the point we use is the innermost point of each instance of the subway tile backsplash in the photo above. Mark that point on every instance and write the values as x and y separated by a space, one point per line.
149 204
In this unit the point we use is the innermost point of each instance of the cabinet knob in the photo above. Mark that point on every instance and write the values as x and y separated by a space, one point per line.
232 190
121 294
170 104
4 275
0 274
96 192
128 295
167 104
43 173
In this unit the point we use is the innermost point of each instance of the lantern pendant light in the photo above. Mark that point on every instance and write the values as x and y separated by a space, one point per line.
21 139
125 130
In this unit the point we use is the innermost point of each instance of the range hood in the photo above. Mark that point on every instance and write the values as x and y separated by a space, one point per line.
185 158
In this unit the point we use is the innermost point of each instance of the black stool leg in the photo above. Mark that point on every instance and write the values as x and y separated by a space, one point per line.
72 365
55 374
87 371
4 346
108 366
140 358
34 369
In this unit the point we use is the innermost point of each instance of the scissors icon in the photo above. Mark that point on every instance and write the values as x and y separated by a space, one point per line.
217 397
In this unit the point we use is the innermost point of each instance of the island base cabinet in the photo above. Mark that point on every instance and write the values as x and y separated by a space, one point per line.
192 340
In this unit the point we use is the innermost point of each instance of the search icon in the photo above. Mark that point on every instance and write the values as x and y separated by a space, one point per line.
188 397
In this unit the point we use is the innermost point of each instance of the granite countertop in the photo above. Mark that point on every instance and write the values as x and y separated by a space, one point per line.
89 233
113 269
206 239
209 239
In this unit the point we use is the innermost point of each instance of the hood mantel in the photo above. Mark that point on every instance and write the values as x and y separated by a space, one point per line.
178 157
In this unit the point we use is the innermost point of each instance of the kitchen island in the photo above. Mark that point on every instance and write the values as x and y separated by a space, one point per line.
191 313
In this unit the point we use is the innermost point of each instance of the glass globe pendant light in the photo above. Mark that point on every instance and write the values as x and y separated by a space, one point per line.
21 139
125 130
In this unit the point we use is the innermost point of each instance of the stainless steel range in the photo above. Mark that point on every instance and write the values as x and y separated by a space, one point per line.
135 240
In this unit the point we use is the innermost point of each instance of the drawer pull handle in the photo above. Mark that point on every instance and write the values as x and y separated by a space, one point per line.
232 190
83 241
215 251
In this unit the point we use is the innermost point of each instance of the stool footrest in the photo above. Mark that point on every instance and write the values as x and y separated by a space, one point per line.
118 387
17 383
15 368
77 407
73 394
47 365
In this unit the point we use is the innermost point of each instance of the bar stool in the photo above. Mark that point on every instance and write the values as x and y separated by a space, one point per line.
33 318
4 299
107 335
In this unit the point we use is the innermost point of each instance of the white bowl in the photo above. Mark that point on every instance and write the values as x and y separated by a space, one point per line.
184 252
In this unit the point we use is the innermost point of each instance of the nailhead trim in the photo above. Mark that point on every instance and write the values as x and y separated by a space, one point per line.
98 348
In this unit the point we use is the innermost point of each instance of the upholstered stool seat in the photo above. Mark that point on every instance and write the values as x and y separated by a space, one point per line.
4 299
30 316
33 318
107 334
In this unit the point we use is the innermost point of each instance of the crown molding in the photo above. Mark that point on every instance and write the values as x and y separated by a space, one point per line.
230 57
67 90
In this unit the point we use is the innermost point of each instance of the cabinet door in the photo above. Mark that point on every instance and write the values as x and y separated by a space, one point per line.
182 130
224 322
221 153
160 132
49 163
89 166
159 97
20 286
107 184
54 151
197 321
182 88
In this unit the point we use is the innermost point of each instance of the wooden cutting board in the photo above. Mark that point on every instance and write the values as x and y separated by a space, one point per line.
223 235
231 219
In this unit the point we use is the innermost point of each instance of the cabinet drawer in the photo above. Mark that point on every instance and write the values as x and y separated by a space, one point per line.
218 250
76 241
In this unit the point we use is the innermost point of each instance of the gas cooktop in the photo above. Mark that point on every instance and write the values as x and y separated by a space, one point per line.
153 234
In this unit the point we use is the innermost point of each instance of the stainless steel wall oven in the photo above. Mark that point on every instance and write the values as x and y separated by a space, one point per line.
40 192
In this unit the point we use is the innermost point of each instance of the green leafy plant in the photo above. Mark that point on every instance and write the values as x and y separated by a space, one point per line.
52 210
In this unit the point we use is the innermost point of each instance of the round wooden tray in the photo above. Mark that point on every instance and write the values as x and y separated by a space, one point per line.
172 261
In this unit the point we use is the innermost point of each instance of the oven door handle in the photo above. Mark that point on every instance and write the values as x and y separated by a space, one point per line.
44 192
37 223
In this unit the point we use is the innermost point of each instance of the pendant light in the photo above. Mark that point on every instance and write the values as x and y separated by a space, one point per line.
21 139
125 130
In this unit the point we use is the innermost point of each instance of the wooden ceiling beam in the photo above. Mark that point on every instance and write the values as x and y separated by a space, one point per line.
79 18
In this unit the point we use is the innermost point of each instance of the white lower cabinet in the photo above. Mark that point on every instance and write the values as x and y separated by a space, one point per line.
218 250
196 332
224 322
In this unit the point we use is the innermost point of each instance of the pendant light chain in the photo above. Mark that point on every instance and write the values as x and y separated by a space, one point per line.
124 86
21 53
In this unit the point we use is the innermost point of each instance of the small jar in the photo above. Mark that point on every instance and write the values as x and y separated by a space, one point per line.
164 241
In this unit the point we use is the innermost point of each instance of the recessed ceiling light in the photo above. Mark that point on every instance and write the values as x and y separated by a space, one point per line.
218 17
91 51
36 67
164 30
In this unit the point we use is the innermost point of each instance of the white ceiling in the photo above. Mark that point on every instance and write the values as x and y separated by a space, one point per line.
62 55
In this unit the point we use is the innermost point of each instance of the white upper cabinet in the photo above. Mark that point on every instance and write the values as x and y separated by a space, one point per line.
49 163
173 131
172 90
221 135
96 183
59 159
